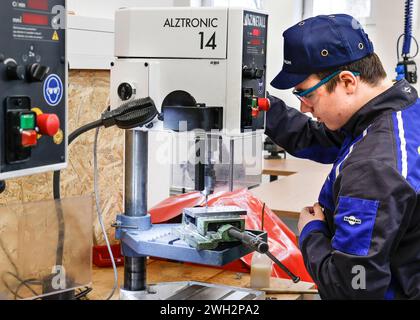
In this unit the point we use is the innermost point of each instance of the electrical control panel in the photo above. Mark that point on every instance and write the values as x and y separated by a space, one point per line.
254 65
33 87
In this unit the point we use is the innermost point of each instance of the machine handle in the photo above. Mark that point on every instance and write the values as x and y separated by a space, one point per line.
259 245
249 240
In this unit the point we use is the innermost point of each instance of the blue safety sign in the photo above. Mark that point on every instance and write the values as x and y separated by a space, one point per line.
53 90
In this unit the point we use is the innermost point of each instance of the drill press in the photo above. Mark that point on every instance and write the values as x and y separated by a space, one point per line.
216 56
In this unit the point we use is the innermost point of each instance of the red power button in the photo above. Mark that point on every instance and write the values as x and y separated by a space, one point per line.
263 104
48 124
28 138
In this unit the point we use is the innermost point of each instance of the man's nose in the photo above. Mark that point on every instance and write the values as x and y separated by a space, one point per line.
304 107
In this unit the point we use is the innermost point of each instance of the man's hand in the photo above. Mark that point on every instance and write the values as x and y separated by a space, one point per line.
309 214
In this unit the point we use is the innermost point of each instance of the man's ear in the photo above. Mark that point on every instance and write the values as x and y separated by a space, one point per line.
349 80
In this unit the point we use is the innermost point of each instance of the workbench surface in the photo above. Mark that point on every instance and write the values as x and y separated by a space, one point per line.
299 185
165 271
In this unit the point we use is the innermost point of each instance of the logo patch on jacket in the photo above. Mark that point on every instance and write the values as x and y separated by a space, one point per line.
352 220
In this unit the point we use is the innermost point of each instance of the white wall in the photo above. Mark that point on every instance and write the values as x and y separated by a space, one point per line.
91 29
388 18
282 15
106 8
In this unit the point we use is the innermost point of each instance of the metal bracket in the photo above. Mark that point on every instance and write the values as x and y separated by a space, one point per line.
125 223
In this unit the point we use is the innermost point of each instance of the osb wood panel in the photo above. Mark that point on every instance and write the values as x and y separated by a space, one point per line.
88 98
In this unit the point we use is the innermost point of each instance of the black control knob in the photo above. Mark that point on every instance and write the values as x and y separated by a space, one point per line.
15 71
125 91
259 73
37 72
253 73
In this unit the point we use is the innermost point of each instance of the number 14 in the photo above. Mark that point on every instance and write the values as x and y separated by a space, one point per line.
210 44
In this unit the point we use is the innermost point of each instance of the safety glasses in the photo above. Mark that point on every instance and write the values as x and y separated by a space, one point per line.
304 95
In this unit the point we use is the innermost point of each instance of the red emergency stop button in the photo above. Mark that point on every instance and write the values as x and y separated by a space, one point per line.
48 124
28 138
255 113
263 104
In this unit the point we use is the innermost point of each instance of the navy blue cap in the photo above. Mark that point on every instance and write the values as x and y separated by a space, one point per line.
321 43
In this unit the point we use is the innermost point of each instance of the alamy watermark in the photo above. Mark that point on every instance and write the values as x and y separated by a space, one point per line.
58 282
199 146
359 280
60 18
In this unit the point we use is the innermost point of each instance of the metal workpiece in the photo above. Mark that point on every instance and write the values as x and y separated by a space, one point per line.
136 163
210 241
207 228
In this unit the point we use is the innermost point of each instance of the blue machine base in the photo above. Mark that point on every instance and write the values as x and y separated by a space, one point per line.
160 242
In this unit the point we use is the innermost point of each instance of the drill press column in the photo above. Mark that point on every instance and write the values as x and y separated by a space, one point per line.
135 201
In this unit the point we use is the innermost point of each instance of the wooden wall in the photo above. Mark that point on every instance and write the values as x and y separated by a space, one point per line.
88 98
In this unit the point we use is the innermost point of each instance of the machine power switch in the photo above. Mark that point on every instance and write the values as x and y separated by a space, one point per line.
255 113
27 121
125 91
15 71
48 124
28 138
253 73
37 72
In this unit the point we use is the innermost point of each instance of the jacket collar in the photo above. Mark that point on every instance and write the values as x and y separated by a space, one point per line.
396 98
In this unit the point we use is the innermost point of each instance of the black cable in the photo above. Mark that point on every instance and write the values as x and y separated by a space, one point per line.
405 55
83 293
417 46
90 126
129 115
22 283
2 186
398 46
26 283
61 234
56 192
73 136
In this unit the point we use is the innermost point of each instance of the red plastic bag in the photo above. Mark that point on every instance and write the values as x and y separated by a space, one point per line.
282 241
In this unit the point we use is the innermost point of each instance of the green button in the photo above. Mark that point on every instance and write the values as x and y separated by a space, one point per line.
254 104
27 121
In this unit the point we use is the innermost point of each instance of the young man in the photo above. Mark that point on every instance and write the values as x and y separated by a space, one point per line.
362 241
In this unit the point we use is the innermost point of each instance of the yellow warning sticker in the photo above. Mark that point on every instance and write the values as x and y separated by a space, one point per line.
55 36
